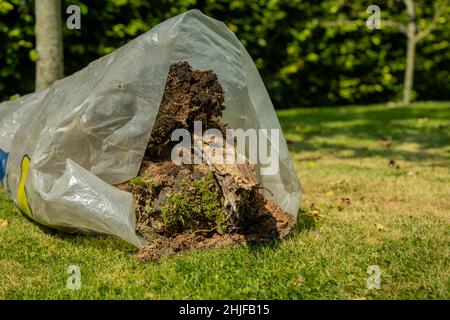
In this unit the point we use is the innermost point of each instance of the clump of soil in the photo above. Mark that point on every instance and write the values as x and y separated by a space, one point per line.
197 206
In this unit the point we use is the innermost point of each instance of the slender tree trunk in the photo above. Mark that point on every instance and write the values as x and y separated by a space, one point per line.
410 52
49 44
409 71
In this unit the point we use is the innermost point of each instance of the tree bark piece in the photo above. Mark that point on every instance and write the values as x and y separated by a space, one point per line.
204 204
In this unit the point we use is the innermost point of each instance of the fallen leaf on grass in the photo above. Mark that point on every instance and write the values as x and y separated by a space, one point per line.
299 281
3 223
393 164
385 143
312 163
345 202
314 212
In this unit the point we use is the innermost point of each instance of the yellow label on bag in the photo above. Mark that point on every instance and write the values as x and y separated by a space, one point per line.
21 192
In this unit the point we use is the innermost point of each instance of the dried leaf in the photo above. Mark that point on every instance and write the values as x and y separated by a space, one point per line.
299 281
312 163
393 164
3 223
314 214
385 143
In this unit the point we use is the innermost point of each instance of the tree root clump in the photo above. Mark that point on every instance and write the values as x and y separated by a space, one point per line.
181 207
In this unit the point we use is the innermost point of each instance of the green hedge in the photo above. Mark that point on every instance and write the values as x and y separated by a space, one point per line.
302 62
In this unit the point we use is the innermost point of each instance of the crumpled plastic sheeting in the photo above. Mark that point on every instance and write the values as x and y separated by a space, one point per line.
67 145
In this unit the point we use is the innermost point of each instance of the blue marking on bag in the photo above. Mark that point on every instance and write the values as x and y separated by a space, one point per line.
3 158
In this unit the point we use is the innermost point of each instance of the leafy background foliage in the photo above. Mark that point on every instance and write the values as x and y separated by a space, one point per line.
302 62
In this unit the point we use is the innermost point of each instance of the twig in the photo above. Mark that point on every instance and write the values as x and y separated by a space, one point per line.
342 23
205 231
394 24
437 14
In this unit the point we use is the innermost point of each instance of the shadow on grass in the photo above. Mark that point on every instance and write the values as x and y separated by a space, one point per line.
94 241
304 223
428 126
364 152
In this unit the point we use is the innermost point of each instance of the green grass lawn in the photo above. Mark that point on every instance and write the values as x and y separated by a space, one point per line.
357 210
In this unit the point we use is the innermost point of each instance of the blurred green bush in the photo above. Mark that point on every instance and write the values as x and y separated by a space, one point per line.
302 62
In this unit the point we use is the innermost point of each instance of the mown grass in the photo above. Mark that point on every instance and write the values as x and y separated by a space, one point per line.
364 203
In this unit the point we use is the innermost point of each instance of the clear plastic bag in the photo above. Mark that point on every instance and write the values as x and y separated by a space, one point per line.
67 145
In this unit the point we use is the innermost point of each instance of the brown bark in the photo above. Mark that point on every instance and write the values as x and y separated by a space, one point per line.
49 45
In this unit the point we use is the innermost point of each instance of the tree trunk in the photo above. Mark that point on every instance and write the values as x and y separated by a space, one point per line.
49 45
409 71
410 52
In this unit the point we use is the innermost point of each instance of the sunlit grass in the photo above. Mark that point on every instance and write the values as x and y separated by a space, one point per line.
358 210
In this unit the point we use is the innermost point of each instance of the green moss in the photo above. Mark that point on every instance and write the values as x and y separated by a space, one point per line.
196 206
147 182
139 181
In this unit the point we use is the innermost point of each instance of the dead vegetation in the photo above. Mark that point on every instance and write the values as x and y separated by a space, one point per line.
197 206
